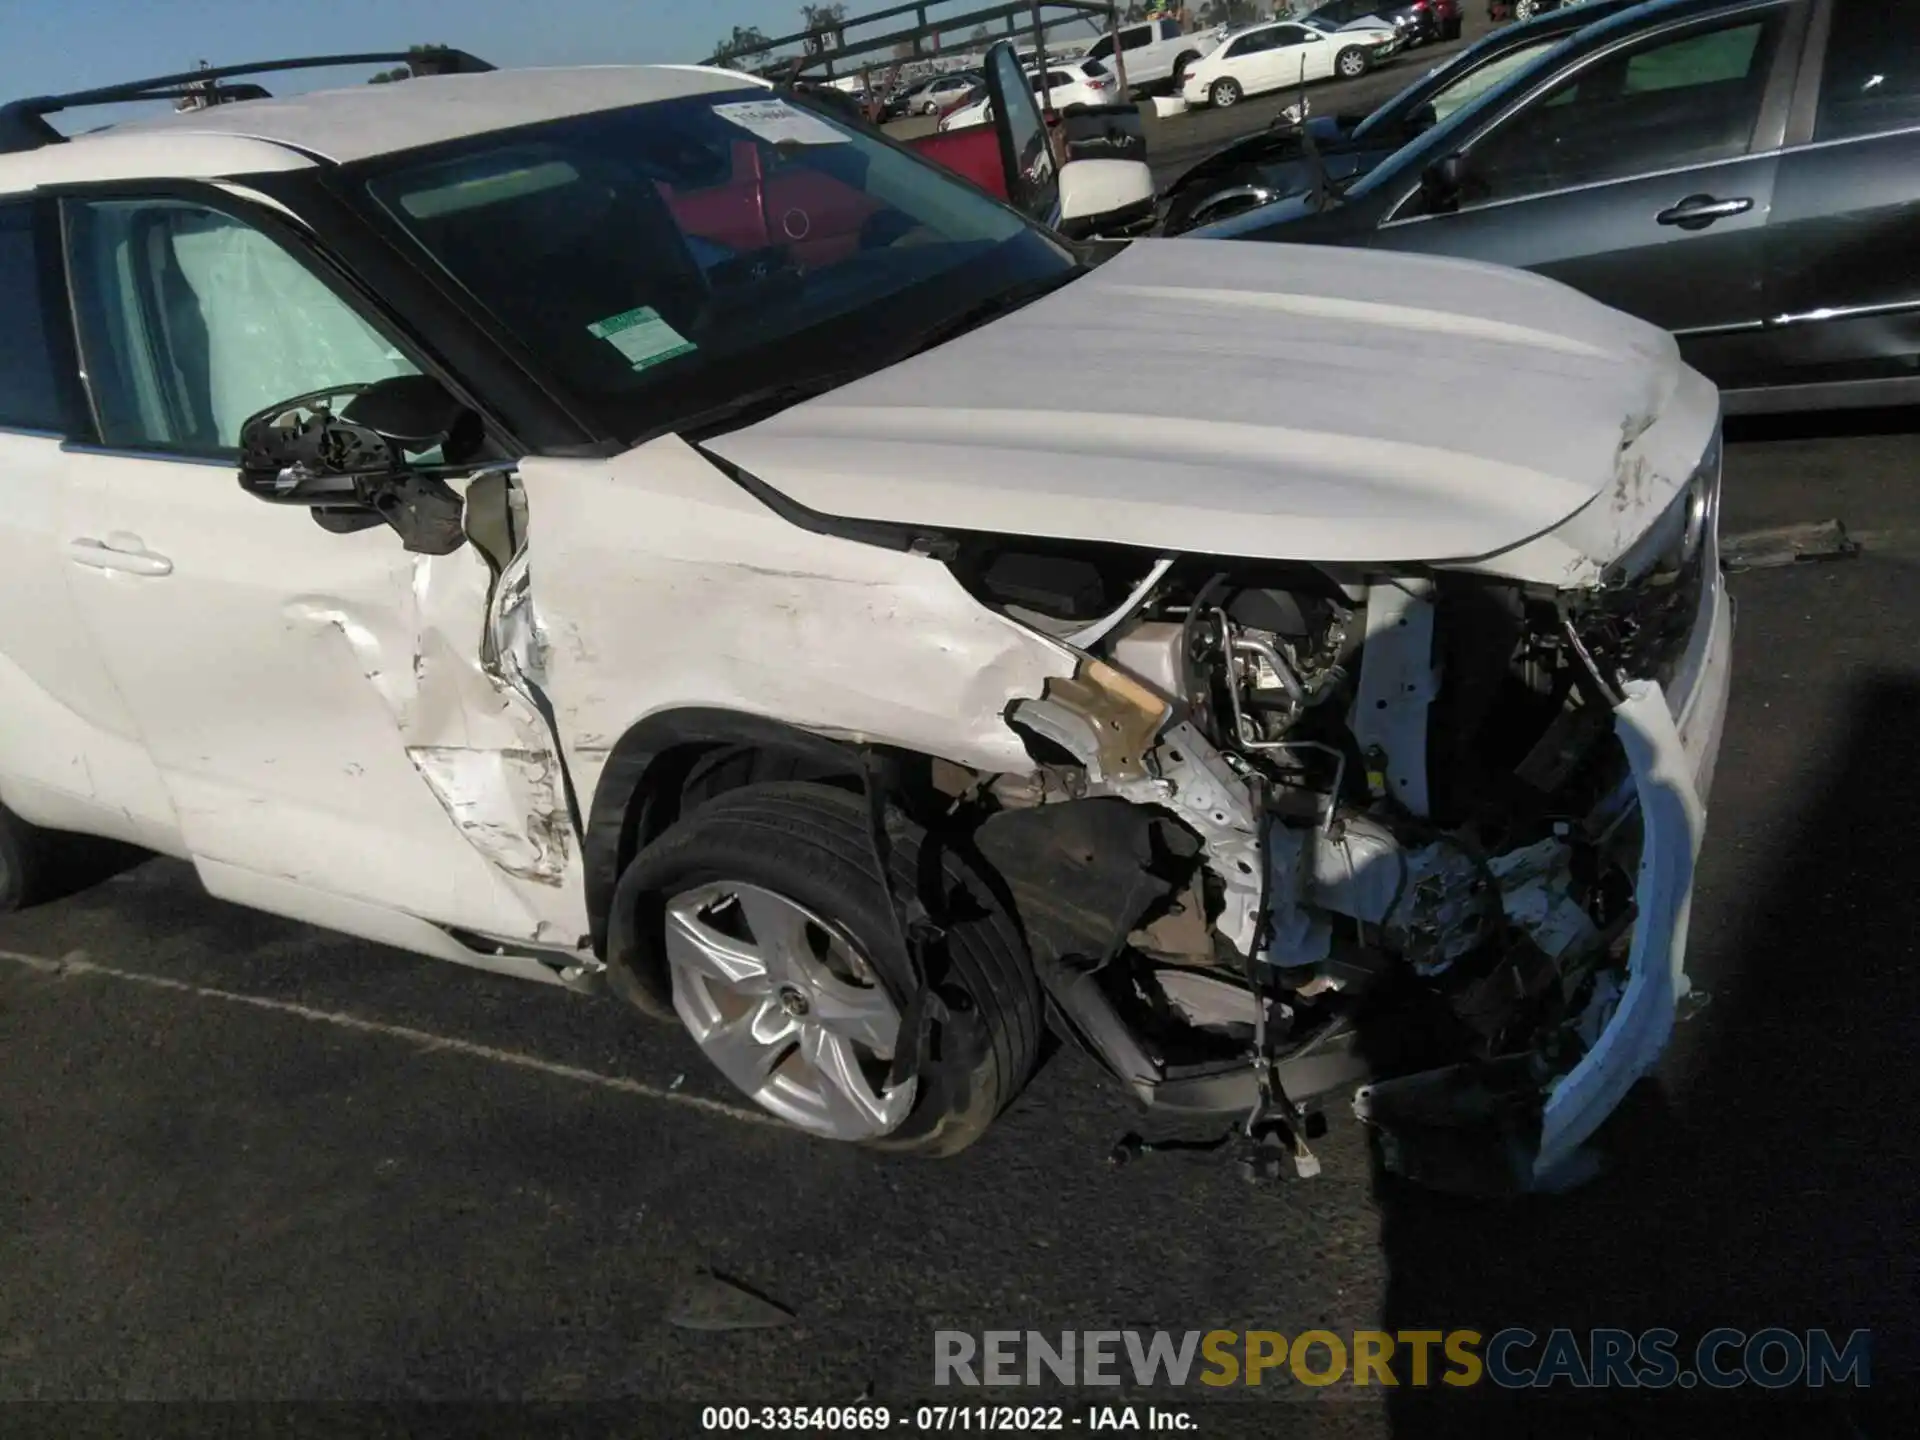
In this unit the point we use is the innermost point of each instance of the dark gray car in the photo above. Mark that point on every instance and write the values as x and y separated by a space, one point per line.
1273 164
1745 173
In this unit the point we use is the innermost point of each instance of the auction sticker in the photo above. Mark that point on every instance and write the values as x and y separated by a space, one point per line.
642 336
779 123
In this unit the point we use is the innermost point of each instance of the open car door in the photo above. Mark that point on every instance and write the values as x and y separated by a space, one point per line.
1026 143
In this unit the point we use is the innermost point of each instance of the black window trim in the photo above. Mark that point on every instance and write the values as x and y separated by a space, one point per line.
298 240
1768 132
56 322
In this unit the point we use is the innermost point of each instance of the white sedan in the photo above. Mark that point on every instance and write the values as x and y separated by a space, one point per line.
1271 57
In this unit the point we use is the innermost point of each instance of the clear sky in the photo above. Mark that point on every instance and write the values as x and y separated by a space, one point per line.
55 45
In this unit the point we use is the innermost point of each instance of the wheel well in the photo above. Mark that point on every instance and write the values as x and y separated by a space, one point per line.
639 793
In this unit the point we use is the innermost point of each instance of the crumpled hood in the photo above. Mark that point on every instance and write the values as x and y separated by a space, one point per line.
1298 402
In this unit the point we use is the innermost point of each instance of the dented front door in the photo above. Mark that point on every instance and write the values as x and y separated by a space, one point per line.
317 708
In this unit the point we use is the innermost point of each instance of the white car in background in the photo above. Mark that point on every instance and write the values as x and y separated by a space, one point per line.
974 112
1274 56
1067 83
943 93
1075 82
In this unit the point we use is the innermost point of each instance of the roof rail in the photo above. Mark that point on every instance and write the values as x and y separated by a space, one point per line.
23 124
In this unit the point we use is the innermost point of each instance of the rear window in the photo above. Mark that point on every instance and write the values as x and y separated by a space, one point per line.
29 387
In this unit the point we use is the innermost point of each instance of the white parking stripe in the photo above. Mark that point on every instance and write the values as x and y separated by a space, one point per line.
77 963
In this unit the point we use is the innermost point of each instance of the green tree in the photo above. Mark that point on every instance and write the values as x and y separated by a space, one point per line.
745 46
825 21
402 72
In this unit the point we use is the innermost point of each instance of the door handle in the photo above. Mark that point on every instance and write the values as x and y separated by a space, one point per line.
1697 212
119 551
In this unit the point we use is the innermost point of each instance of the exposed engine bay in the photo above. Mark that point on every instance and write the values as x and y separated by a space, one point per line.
1372 827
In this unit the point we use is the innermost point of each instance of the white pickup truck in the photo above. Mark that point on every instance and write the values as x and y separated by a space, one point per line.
1154 51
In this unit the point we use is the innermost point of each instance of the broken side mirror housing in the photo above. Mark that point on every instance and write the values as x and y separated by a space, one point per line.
344 454
1105 197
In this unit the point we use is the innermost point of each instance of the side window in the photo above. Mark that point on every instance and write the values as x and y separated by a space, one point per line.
1137 38
1664 104
1468 87
30 389
1255 43
191 321
1872 79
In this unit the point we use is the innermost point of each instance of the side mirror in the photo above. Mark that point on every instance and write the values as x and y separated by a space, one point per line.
1443 182
348 462
1105 197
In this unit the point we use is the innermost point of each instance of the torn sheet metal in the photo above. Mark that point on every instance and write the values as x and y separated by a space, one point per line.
1108 721
1641 1019
506 803
480 747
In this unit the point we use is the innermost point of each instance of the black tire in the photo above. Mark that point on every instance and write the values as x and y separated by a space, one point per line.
38 865
810 843
1225 94
1180 68
23 853
1350 63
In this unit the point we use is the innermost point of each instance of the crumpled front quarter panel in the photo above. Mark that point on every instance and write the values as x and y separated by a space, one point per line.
663 585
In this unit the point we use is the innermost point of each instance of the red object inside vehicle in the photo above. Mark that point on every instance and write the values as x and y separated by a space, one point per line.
973 152
766 201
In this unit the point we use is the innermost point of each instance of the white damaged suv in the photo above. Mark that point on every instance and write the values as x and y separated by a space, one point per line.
626 527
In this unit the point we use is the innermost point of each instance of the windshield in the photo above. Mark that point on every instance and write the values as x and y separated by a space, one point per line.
660 261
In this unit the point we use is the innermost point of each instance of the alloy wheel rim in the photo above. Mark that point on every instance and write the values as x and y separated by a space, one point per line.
787 1008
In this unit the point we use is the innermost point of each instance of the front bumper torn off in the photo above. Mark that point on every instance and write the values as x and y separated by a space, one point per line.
1472 1127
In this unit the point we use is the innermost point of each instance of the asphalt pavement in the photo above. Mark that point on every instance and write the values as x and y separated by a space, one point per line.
248 1159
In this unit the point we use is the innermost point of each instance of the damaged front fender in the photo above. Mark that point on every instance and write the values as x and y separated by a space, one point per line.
1112 725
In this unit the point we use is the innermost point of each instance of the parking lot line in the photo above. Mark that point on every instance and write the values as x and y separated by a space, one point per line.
77 963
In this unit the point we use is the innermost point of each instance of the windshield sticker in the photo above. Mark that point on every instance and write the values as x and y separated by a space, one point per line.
642 336
779 123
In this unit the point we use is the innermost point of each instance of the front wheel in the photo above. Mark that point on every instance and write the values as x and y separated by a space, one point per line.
1525 9
1226 94
1180 69
782 953
1351 63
